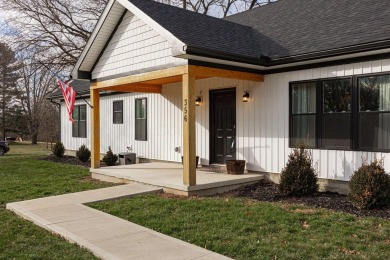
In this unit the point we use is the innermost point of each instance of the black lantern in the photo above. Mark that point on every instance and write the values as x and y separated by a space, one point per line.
198 101
246 97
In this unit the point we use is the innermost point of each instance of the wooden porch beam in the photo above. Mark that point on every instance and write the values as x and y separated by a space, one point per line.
206 72
189 131
141 78
142 88
95 129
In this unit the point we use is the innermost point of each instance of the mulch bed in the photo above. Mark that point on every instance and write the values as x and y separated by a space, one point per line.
68 160
268 191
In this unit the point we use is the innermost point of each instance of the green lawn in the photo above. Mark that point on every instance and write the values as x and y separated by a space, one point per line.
23 176
246 229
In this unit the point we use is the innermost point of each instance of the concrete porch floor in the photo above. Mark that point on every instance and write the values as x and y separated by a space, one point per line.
169 176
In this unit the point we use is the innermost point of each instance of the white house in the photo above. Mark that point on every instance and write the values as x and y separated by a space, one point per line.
316 72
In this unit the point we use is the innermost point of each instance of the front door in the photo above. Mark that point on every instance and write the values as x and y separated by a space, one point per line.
223 125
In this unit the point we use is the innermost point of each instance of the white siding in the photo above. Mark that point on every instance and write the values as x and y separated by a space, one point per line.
262 124
104 33
134 47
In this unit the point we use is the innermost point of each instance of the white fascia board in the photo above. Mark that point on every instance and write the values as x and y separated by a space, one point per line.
334 58
177 45
251 66
92 37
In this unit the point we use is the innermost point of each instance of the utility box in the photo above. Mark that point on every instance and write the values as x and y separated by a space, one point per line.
127 158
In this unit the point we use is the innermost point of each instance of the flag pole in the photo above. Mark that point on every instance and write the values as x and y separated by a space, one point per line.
55 74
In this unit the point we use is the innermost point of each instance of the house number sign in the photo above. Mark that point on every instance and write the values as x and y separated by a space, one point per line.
186 110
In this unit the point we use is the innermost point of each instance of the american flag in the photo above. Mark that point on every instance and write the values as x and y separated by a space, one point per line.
69 96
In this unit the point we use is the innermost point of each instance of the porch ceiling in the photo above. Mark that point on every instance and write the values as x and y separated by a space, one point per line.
151 82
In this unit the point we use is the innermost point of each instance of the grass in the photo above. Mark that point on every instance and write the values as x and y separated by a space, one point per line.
24 176
246 229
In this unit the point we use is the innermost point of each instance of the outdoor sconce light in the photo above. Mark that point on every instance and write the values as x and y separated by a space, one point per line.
246 97
198 101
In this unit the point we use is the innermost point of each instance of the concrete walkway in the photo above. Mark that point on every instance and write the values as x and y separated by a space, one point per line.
106 236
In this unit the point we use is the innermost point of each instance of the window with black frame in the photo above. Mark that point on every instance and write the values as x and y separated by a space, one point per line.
374 112
303 114
79 127
141 119
336 113
118 112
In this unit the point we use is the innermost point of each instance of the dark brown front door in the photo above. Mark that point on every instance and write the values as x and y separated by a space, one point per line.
223 125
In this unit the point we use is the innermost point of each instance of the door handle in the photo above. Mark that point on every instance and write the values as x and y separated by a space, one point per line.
233 143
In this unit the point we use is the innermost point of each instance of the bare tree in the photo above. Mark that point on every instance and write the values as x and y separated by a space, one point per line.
218 8
36 83
9 74
58 29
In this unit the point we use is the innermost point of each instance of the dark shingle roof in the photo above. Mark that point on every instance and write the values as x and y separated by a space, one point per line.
81 87
282 29
202 31
293 27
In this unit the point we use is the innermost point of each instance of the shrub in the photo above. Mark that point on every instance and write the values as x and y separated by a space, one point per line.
110 158
83 153
370 186
58 149
298 178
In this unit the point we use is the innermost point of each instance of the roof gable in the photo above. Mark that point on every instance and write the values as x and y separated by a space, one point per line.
109 19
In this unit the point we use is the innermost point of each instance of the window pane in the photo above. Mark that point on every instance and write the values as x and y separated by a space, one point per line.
140 119
83 129
140 108
337 95
83 113
336 130
75 114
118 106
118 118
374 93
140 129
75 129
304 98
374 130
303 131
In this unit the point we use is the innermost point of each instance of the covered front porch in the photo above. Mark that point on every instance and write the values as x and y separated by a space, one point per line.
152 82
169 176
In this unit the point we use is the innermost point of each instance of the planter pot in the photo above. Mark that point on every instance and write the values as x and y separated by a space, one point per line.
235 166
197 160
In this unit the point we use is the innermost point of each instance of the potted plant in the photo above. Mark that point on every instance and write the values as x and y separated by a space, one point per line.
235 166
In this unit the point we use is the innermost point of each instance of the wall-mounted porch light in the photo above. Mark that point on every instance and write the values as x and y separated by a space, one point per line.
198 101
246 97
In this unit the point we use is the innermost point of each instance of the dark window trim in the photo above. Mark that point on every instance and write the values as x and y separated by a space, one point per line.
146 119
113 112
354 113
78 120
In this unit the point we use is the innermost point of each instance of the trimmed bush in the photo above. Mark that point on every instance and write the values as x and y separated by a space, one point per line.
83 154
110 158
58 149
370 186
298 178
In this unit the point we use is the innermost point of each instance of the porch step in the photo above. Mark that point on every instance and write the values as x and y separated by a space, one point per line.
218 166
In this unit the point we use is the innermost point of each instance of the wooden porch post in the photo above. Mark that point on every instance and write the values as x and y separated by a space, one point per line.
95 129
189 134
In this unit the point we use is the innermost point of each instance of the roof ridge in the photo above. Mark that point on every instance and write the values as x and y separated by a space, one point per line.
256 8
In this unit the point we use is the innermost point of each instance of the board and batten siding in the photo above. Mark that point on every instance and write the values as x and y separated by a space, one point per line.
134 47
262 124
